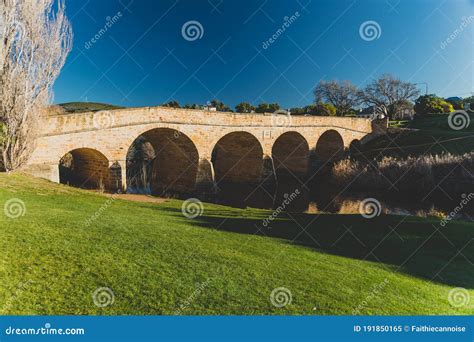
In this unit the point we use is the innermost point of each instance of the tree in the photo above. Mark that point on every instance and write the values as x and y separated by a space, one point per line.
389 93
262 108
404 110
34 43
318 109
220 106
432 104
267 108
172 104
322 109
191 106
244 107
298 110
342 95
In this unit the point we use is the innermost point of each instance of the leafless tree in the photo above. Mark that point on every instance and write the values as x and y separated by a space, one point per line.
341 94
35 39
389 93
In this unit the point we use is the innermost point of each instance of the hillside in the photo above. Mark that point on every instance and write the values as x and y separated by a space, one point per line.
70 242
82 107
432 135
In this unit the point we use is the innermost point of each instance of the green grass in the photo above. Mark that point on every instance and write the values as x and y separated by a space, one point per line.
154 259
82 107
433 136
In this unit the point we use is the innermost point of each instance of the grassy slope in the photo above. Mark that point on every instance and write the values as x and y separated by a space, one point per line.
81 107
432 130
153 258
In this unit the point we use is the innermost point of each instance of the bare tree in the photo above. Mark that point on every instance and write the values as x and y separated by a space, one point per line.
35 39
389 93
341 94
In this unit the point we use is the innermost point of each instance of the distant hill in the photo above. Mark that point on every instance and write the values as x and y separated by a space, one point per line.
81 107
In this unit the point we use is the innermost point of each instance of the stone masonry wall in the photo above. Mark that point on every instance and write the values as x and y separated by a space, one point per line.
112 132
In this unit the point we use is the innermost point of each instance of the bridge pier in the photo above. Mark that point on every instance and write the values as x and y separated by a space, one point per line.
205 178
122 178
268 180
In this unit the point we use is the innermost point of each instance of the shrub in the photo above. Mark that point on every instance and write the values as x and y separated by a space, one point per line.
432 104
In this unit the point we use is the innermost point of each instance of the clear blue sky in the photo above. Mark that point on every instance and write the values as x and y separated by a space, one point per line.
143 59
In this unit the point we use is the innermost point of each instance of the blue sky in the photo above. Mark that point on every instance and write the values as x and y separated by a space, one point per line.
143 59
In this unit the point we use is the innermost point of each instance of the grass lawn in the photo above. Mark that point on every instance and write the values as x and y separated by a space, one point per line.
434 136
71 242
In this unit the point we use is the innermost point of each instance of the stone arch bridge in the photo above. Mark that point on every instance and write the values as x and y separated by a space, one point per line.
188 151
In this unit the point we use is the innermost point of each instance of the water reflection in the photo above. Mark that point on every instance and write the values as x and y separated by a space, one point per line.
314 195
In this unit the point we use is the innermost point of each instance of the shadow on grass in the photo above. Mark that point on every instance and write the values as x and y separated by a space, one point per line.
415 246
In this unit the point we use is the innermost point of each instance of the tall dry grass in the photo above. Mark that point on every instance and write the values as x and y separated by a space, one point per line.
415 177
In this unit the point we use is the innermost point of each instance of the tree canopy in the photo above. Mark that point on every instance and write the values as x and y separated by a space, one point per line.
343 95
432 104
389 93
220 106
244 107
267 107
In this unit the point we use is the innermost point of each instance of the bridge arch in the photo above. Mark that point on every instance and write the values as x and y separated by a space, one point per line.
238 162
330 146
290 154
162 161
90 169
